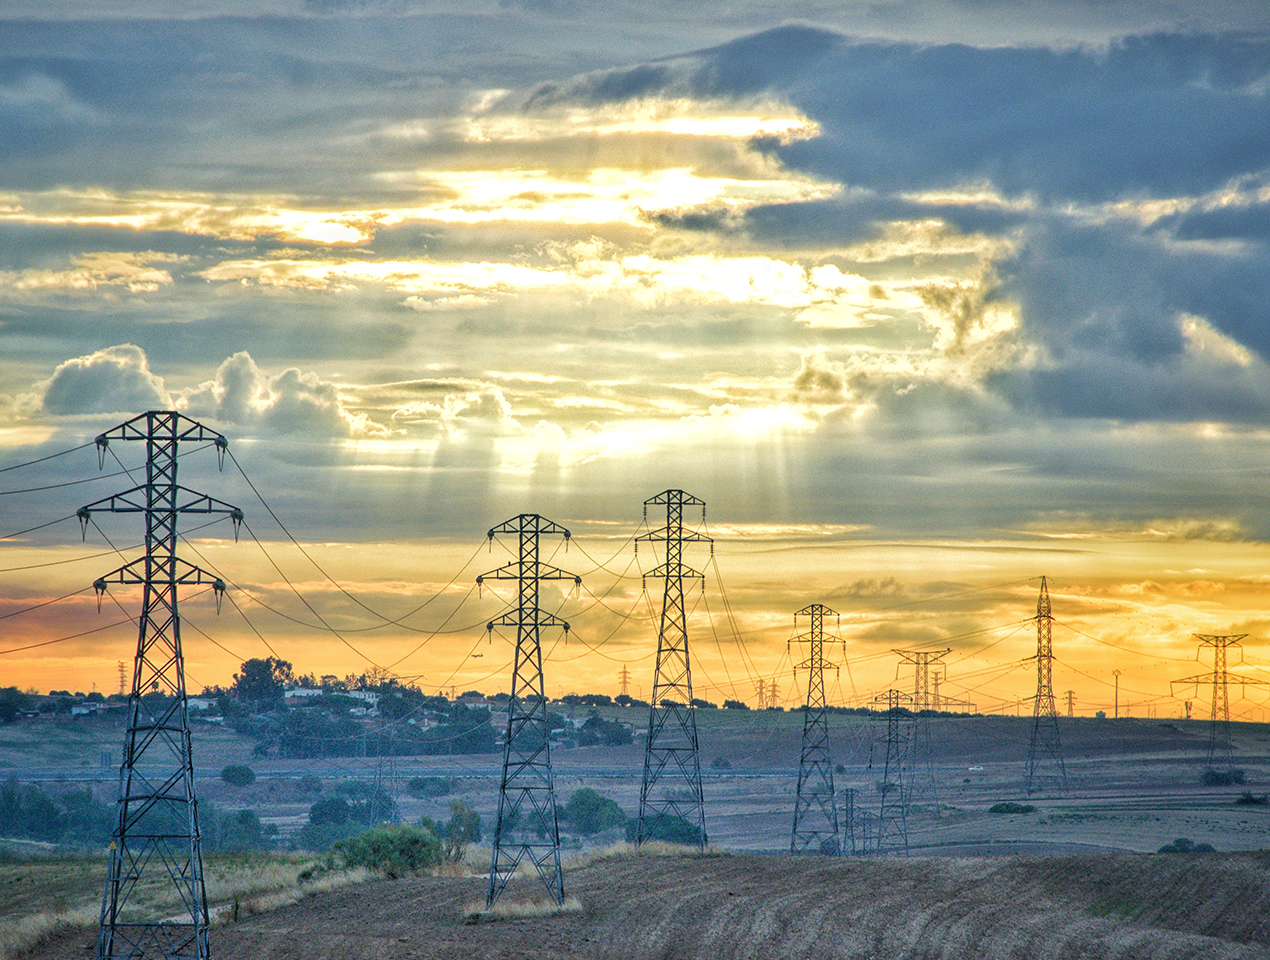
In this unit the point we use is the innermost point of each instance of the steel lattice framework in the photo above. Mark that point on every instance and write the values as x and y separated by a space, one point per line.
892 825
815 827
528 826
157 828
671 748
1044 744
1220 746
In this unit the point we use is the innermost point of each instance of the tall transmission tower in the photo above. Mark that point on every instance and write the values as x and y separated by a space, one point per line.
1070 696
671 748
1044 744
1220 747
526 795
625 678
922 660
920 754
156 828
892 822
815 810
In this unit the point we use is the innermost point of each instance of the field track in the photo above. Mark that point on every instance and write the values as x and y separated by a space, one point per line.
1109 907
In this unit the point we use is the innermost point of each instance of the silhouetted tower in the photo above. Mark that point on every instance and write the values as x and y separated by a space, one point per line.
156 832
762 693
815 810
1220 747
625 678
671 748
1044 744
1116 674
527 826
1071 702
892 823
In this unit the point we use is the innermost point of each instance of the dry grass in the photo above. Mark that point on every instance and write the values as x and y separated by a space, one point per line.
520 909
62 892
624 851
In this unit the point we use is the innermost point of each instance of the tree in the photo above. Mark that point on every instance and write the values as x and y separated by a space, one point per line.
735 705
12 702
262 681
590 812
238 775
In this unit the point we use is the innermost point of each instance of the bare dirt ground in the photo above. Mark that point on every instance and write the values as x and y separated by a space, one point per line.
720 907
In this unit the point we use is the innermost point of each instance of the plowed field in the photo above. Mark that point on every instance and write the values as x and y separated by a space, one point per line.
718 907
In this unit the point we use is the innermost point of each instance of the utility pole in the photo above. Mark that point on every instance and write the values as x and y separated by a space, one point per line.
156 826
815 811
526 795
892 825
1219 741
672 719
1044 743
1116 674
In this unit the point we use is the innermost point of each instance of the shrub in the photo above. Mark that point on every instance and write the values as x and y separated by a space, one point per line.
394 851
590 812
1222 778
463 827
1182 845
424 787
1249 799
669 829
238 775
1011 807
329 810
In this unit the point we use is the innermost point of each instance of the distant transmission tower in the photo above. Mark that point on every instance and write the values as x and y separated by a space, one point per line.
920 754
1044 743
526 796
892 823
672 720
625 678
1220 747
1070 696
156 829
848 821
815 810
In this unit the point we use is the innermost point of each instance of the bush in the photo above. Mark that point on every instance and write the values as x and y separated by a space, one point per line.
394 851
1222 778
1182 845
589 812
1249 799
425 787
669 829
329 810
1011 807
238 775
463 827
735 705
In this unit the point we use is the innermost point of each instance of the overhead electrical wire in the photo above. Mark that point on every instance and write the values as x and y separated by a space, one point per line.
51 456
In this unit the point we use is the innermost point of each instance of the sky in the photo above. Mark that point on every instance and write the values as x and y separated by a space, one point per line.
925 300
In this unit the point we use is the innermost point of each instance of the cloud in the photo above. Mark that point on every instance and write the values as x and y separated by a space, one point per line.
288 404
135 272
116 379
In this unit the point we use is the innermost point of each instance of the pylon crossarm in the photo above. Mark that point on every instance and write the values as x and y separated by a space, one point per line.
529 523
141 427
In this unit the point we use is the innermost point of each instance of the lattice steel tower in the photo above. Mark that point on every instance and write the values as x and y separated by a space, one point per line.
156 828
671 748
527 826
1220 746
1044 744
892 823
815 808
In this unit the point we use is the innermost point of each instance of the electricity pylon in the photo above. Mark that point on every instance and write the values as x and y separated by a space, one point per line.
1044 743
527 796
1219 741
156 827
892 825
919 751
671 748
815 810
